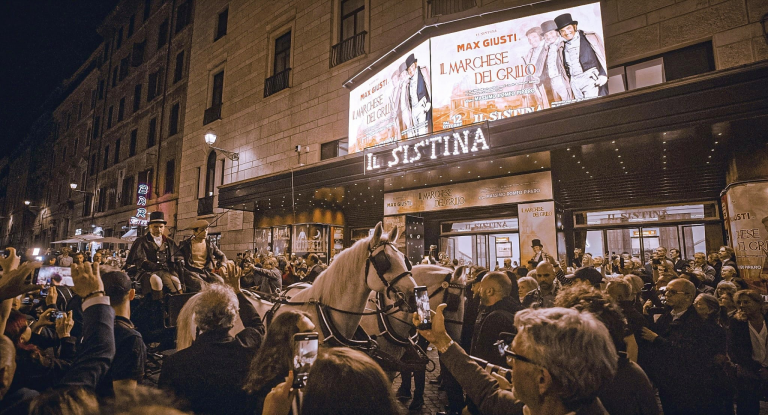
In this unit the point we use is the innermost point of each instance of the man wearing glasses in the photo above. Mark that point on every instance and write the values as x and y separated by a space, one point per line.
549 376
683 353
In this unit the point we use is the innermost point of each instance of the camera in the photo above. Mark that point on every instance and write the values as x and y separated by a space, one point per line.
55 316
649 292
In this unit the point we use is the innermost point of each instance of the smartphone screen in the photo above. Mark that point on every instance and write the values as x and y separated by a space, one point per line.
46 273
422 308
304 354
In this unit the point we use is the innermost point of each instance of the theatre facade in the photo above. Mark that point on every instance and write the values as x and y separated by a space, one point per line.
459 132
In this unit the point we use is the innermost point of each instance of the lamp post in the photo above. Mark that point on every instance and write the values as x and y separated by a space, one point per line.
210 139
73 186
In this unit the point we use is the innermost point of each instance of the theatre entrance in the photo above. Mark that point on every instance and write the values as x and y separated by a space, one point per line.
486 243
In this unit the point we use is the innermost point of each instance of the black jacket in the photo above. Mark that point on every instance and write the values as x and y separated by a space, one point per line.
491 321
313 273
740 348
211 372
213 252
144 254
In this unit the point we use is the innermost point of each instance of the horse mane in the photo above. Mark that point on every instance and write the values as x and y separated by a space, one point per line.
327 288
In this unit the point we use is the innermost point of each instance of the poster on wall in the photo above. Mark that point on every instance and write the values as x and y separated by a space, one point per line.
537 232
747 221
262 240
337 240
395 104
389 223
485 73
281 239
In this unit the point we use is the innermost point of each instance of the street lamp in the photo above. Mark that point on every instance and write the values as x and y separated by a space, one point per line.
210 139
27 202
73 186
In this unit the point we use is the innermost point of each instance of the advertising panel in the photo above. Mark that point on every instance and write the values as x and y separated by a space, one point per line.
538 232
394 104
746 216
486 73
513 189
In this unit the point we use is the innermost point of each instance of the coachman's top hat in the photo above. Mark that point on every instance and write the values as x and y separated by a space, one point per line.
548 26
410 60
536 242
564 20
157 217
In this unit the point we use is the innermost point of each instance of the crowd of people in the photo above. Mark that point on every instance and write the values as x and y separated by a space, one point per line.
593 337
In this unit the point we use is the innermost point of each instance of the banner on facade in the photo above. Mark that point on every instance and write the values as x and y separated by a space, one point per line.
486 73
746 214
538 232
503 190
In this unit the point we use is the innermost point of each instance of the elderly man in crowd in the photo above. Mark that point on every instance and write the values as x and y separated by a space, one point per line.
730 274
681 355
200 257
550 376
703 271
728 258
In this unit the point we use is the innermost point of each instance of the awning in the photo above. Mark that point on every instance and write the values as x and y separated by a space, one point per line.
129 236
112 240
68 241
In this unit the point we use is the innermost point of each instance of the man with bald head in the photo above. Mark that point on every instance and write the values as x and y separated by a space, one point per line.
547 273
499 300
683 352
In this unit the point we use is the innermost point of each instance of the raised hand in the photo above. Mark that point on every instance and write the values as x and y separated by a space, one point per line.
11 262
64 325
53 295
14 282
42 321
87 279
278 401
437 334
231 274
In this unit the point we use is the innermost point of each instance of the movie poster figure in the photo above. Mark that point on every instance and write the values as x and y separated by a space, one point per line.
584 58
532 57
396 101
550 67
538 254
764 270
416 110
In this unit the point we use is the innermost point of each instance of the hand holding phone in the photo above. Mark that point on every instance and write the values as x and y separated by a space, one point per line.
422 308
305 347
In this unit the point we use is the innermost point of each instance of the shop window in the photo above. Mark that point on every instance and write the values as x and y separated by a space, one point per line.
336 148
221 24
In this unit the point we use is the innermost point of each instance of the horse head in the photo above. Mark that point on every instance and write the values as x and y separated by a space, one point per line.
388 271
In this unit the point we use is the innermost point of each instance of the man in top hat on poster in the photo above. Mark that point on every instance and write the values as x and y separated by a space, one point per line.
200 257
155 257
550 68
584 58
532 57
538 254
416 114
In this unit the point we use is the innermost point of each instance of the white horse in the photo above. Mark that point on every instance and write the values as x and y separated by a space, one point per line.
391 330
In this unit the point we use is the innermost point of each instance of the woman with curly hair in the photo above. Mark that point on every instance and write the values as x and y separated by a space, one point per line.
35 368
272 362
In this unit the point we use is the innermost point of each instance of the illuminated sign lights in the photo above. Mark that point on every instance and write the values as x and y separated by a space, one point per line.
141 201
456 143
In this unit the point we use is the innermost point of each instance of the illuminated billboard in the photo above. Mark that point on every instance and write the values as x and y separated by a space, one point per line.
486 73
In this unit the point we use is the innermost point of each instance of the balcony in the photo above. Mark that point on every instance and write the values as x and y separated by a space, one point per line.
443 7
348 49
212 114
277 82
205 206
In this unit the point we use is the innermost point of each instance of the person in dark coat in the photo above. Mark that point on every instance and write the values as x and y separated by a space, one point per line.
155 258
496 316
749 326
211 373
681 349
728 258
314 268
200 257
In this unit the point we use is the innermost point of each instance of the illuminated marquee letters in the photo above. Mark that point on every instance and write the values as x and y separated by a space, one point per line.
430 148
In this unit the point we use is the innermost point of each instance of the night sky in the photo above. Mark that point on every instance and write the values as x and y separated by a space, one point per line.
43 43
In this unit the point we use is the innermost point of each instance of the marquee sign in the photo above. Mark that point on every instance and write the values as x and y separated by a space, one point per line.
445 146
140 219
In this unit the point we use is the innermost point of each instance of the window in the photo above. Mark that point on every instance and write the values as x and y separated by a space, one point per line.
121 110
126 195
87 204
145 177
136 97
74 148
114 77
64 155
335 148
210 174
162 34
79 110
92 169
352 18
105 57
102 199
173 124
170 173
94 97
218 89
152 132
137 56
132 143
183 13
96 126
282 53
117 151
109 116
221 25
123 68
101 90
106 158
112 197
147 10
179 71
131 24
119 41
153 87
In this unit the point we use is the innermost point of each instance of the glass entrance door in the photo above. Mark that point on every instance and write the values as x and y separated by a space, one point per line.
482 249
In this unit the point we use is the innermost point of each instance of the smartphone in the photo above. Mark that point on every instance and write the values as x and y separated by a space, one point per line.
304 354
422 308
55 316
45 274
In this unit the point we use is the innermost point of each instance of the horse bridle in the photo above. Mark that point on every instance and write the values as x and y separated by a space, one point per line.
382 264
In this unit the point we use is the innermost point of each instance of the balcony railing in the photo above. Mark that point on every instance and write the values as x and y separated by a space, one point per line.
212 114
277 82
443 7
205 206
348 49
